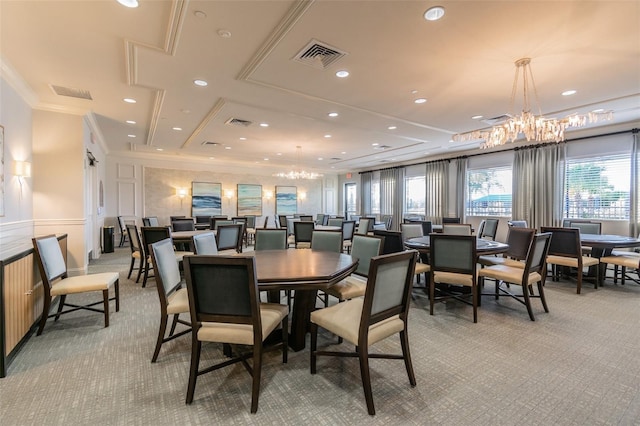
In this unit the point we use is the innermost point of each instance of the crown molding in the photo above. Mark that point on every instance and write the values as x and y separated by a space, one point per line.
15 80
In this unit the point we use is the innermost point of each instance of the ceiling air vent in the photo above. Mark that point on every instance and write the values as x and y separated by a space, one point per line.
210 143
238 122
70 92
318 55
496 120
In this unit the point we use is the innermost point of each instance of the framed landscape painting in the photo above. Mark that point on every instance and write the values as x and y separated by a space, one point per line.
206 199
249 200
286 200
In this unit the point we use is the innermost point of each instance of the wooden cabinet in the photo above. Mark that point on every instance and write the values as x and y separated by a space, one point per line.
21 299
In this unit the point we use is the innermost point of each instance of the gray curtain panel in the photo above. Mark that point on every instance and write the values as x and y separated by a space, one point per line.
634 196
538 184
437 190
461 187
392 194
365 194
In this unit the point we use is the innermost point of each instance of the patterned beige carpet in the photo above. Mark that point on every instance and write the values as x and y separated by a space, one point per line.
577 365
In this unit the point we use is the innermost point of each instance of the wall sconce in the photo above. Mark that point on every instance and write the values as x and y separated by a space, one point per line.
22 169
228 193
268 195
181 192
302 196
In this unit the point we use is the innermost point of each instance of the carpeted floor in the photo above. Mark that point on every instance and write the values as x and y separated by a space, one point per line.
577 365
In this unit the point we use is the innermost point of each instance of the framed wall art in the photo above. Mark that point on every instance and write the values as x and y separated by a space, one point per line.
249 200
206 199
286 200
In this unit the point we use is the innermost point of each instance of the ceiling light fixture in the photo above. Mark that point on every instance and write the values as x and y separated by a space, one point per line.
333 114
434 13
537 128
128 3
201 83
177 128
569 92
342 74
129 100
131 122
297 172
264 124
420 101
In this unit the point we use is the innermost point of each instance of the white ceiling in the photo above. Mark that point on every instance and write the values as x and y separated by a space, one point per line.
463 65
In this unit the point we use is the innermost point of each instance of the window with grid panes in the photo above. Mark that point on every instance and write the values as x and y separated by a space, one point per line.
598 187
489 192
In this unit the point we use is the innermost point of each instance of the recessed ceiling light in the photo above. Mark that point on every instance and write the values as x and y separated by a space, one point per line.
264 124
327 136
130 122
177 128
265 159
375 144
343 152
224 33
333 114
476 117
413 92
201 83
568 92
434 13
200 14
242 138
159 149
392 127
129 3
185 111
342 74
131 136
129 100
227 147
278 153
420 100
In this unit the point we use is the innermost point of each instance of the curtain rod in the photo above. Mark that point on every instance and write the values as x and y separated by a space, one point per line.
516 148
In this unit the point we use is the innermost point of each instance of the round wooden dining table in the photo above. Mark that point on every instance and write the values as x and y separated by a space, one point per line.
483 247
305 271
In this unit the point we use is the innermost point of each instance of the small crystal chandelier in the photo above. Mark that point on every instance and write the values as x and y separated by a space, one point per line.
534 128
297 173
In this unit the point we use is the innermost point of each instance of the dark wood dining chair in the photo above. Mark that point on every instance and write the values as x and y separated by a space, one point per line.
565 251
225 308
173 297
532 273
453 264
382 313
56 282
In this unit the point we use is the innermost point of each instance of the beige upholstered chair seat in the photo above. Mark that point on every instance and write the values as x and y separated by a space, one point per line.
628 261
343 319
178 302
571 261
453 278
271 316
509 274
350 287
84 283
493 260
304 245
422 268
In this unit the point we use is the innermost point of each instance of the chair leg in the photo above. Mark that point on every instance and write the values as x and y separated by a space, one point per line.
432 295
314 344
161 331
285 339
105 297
542 298
474 301
363 355
196 346
140 268
133 261
45 314
63 298
257 372
527 301
406 355
579 281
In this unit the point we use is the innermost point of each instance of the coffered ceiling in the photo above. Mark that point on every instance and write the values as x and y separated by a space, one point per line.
462 64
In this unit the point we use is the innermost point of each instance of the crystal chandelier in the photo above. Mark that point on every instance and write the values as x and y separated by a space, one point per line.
298 173
534 127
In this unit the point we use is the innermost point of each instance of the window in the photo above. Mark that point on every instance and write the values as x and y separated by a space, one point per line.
598 187
489 192
414 196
